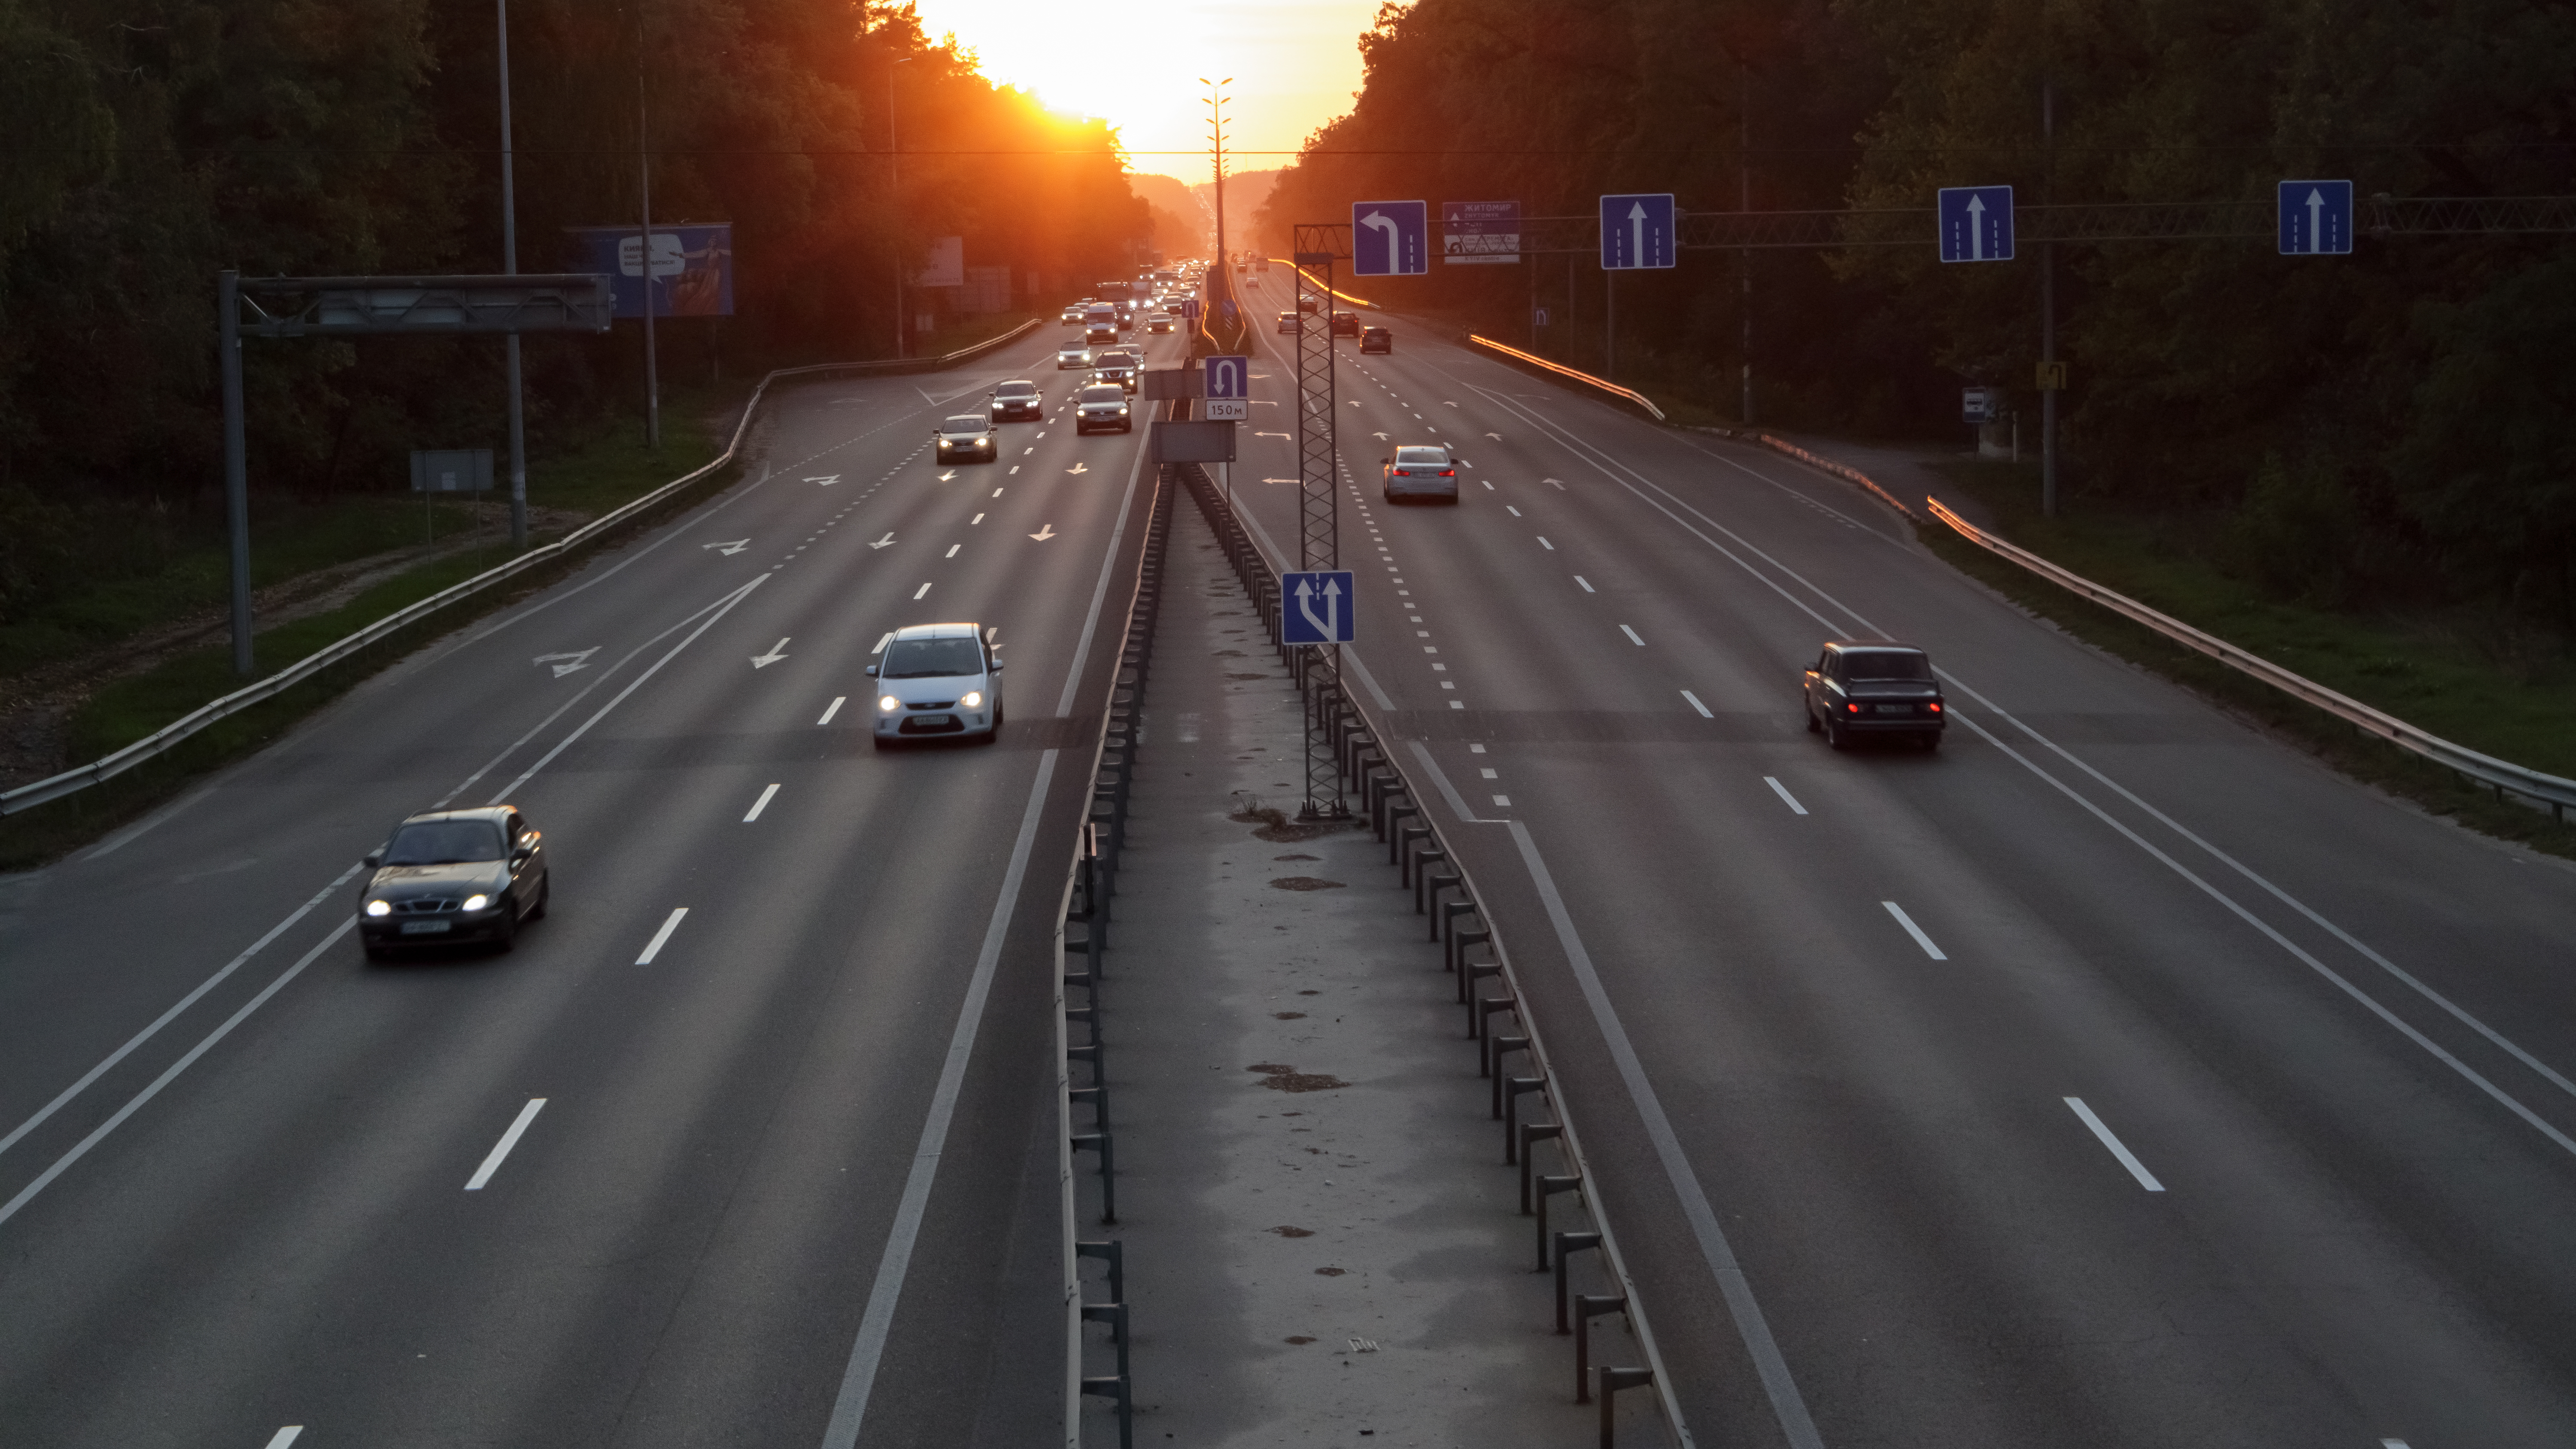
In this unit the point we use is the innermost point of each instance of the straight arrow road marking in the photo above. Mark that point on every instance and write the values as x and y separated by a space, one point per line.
827 480
1045 532
881 543
728 549
509 1139
763 661
670 923
567 663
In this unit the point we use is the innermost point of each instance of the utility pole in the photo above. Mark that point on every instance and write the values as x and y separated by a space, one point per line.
510 267
894 206
1744 202
2048 308
1216 151
236 465
644 166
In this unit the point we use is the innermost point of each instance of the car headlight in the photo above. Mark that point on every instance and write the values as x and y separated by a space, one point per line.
974 699
980 442
477 901
1122 410
380 908
889 704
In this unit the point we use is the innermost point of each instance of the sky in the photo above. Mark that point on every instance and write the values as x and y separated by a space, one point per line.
1295 64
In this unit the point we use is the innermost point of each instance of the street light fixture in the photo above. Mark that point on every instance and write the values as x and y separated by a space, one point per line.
1216 143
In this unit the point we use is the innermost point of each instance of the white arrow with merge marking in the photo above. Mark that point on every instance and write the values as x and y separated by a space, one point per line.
951 473
880 543
763 661
827 480
566 663
1079 468
1045 532
728 549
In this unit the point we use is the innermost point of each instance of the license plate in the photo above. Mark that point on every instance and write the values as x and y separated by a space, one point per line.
1896 709
425 928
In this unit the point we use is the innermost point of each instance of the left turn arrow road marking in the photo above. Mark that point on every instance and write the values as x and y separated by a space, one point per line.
776 653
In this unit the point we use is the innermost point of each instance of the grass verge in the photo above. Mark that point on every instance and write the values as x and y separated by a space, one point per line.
613 467
2429 672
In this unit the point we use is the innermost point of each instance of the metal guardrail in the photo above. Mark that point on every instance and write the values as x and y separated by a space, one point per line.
2558 794
1534 360
1847 474
161 741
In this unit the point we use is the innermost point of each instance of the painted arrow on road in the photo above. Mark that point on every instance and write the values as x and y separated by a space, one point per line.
763 661
728 549
1045 532
1497 437
1270 435
880 543
566 663
827 480
1079 468
951 473
1381 437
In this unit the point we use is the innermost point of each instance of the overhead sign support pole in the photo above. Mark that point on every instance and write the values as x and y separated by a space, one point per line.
510 267
366 306
1316 247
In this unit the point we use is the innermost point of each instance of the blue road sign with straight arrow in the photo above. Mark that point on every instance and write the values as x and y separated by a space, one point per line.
1976 224
1390 238
2316 218
1637 231
1318 609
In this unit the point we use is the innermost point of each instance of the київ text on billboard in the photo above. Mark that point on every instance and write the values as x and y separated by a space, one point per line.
692 267
1480 231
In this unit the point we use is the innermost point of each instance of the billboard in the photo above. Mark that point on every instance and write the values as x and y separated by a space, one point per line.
946 266
1480 231
692 270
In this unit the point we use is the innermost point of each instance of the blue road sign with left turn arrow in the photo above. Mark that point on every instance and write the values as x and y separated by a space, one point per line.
1976 224
1316 609
1390 238
2316 218
1637 231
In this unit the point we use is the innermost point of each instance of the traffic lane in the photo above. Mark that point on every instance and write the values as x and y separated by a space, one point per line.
576 825
244 851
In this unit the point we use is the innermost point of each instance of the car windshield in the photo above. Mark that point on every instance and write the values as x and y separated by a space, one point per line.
931 658
1885 664
961 425
1107 392
445 842
1433 456
1018 389
1117 359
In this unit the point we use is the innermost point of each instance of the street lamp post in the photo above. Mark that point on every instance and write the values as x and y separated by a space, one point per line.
1216 144
510 267
894 204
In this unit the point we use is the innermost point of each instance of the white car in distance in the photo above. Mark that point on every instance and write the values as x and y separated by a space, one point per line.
938 681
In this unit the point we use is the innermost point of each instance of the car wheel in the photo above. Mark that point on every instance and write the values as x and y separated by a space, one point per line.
379 953
1810 712
1834 736
1931 742
881 742
505 936
545 893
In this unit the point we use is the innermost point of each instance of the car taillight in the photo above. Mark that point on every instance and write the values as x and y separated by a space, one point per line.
1934 706
1853 708
1448 472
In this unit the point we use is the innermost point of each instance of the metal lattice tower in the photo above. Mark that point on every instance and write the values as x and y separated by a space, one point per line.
1317 247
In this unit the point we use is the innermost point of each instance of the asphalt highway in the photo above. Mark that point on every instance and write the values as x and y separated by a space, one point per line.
733 1148
2114 1076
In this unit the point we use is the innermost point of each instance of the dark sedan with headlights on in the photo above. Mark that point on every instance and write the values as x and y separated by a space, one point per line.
1858 688
451 876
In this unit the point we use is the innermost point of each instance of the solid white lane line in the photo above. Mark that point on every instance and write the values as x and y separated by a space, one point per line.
1632 636
509 1139
1904 920
2127 1158
1792 802
759 805
1788 1407
1100 589
670 923
858 1378
834 708
285 1436
1695 704
99 1133
1543 543
1587 584
924 589
184 1002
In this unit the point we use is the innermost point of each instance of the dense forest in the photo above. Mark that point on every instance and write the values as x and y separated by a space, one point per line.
2400 423
154 142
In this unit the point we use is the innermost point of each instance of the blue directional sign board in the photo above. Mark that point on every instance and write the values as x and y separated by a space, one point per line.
1390 238
1316 609
1637 231
1229 388
2316 218
1189 309
1976 224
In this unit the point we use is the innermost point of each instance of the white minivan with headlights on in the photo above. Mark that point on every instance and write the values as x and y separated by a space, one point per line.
938 681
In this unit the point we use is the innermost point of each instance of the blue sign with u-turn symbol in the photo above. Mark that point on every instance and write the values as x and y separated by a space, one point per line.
1315 608
2316 218
1976 224
1390 238
1229 388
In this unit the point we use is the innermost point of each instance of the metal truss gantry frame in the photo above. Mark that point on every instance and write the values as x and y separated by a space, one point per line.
1318 246
363 306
